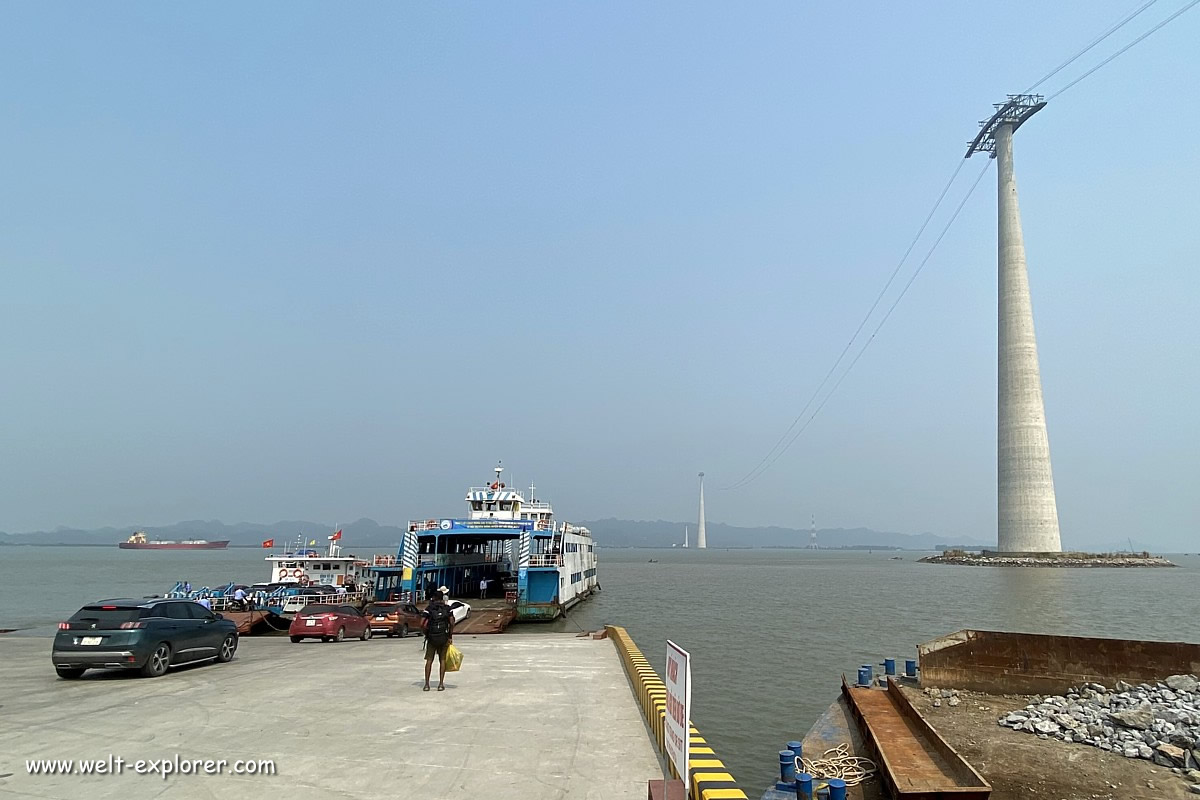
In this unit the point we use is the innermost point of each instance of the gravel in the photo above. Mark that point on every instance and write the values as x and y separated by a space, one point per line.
1157 722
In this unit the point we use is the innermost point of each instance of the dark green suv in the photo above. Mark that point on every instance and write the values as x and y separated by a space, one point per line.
146 635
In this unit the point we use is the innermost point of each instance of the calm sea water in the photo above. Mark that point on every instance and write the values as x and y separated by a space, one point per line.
770 631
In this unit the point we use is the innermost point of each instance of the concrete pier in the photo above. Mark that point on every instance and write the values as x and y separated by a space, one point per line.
1027 519
529 716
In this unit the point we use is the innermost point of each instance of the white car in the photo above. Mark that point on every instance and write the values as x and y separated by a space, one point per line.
460 610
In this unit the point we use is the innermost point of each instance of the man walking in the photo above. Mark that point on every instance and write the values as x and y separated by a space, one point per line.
439 635
483 584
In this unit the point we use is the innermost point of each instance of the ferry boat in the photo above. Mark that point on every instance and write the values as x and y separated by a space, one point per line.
306 569
139 542
533 562
299 576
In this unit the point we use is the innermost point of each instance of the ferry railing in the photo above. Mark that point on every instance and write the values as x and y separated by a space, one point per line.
459 559
545 560
298 601
384 561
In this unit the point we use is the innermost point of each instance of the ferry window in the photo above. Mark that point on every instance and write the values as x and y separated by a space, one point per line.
476 506
326 566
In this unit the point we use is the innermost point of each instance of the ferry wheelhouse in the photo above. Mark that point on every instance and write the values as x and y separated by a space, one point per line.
532 561
311 569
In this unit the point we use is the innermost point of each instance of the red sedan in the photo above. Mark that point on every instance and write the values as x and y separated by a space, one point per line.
329 623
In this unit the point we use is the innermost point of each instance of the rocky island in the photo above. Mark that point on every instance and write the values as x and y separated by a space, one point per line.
988 558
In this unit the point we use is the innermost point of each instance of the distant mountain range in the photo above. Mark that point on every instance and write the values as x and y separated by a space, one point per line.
626 533
370 535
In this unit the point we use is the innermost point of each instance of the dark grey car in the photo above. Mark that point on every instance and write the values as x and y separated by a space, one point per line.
146 635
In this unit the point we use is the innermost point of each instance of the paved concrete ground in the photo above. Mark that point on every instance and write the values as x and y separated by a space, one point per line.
538 716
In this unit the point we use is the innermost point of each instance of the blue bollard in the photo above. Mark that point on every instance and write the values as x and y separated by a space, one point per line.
804 783
870 673
910 667
787 766
797 748
889 666
837 789
864 676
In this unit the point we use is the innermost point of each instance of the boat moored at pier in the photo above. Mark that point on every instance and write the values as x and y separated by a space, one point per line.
530 561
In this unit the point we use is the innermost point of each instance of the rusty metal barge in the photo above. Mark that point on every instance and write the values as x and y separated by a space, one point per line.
933 734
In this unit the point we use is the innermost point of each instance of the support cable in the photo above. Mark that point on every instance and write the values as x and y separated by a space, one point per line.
1126 48
1095 42
882 322
751 475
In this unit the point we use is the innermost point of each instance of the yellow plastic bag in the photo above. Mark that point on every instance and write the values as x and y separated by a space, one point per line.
453 658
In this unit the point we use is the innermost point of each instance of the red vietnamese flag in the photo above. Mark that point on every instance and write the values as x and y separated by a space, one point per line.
336 535
269 543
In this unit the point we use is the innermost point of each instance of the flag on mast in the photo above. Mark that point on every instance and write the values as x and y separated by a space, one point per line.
269 543
337 535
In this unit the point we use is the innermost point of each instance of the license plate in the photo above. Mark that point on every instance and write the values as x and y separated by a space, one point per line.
310 622
90 640
380 616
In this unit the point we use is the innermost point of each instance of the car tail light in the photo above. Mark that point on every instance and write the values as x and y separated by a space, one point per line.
64 626
130 625
109 608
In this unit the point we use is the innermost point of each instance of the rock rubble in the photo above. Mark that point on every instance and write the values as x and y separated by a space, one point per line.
1158 722
972 560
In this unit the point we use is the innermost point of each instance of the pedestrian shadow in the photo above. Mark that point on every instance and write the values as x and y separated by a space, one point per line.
433 684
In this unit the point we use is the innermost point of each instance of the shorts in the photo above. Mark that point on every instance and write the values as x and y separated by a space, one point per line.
436 645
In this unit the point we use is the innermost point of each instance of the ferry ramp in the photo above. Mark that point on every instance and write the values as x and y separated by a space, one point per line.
530 717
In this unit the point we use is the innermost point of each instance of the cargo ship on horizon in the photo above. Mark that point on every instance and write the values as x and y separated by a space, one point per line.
139 542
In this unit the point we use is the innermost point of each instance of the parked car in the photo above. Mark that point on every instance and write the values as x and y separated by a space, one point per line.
460 610
394 619
329 623
149 635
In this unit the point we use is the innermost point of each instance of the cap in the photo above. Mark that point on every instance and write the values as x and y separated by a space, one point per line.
443 590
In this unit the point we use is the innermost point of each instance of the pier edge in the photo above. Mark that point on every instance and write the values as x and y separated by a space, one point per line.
709 777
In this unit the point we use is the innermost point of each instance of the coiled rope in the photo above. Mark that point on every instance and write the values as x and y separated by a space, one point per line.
838 762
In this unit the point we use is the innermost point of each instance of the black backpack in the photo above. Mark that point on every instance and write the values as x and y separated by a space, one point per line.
439 619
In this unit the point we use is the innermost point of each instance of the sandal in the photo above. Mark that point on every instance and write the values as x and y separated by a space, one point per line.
425 689
441 688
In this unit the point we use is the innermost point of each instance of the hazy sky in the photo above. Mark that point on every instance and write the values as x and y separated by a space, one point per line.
319 261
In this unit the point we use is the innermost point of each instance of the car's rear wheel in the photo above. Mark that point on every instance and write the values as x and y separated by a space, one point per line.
297 639
404 631
70 673
366 634
156 665
228 648
341 635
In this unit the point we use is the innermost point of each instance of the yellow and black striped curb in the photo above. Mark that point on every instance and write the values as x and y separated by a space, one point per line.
710 777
